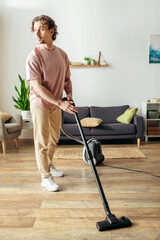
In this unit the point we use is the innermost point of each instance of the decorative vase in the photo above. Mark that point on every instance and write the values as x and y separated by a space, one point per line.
92 62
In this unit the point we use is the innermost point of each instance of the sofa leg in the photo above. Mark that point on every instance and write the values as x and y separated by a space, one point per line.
4 147
16 142
138 141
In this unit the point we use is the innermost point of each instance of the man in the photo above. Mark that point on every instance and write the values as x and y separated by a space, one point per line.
48 71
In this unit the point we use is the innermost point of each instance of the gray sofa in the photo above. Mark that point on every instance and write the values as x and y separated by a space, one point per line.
109 128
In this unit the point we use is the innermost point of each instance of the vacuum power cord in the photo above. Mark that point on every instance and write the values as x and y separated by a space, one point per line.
133 170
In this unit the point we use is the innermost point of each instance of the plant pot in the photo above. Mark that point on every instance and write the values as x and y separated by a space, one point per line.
26 114
86 62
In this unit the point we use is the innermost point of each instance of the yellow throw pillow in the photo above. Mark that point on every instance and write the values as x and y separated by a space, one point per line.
127 116
90 122
5 116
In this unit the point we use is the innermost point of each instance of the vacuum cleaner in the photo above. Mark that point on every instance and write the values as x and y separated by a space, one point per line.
111 221
93 144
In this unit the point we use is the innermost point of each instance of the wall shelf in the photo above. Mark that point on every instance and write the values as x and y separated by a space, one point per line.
96 65
151 119
90 65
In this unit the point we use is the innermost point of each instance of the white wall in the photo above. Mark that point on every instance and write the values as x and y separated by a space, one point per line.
118 28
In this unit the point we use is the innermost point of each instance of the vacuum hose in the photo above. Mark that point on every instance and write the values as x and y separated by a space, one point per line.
67 133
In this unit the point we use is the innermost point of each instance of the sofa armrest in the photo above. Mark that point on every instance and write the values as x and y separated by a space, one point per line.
139 122
16 119
2 130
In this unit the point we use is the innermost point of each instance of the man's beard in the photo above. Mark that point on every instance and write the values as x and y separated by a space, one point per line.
42 41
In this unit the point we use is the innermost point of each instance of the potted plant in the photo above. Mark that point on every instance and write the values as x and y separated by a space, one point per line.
22 100
86 61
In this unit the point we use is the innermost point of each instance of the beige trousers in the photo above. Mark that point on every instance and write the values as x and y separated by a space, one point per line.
46 122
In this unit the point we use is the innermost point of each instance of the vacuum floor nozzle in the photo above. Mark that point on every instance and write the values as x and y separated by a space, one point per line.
120 223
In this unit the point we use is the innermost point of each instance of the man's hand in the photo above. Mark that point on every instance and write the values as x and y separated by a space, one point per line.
68 106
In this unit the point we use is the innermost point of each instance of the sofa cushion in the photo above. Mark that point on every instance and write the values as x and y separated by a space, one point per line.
12 127
127 116
91 122
114 129
83 112
5 116
108 114
74 130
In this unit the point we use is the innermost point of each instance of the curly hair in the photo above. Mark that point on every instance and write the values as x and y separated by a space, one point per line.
47 21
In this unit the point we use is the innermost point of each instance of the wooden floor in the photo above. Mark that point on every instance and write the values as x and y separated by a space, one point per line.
30 212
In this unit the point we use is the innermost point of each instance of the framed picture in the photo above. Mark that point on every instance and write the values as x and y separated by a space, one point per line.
154 48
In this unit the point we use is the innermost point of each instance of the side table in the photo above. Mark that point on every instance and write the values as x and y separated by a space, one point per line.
27 129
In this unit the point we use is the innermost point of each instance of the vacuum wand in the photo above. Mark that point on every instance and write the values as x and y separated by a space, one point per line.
90 158
111 222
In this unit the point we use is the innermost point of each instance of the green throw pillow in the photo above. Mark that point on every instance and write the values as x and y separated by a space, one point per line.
127 116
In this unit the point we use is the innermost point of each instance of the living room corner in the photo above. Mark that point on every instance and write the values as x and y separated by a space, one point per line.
113 49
